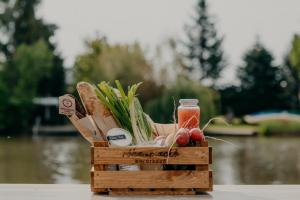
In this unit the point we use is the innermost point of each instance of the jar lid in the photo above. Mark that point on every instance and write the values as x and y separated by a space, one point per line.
119 137
189 101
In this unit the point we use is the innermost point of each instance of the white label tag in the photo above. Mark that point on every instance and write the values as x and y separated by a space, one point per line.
67 105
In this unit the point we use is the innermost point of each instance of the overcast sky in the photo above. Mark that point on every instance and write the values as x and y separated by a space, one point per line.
152 21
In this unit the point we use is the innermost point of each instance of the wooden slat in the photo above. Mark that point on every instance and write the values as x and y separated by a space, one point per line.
204 143
151 155
101 144
202 167
210 155
92 180
151 179
99 167
153 167
211 181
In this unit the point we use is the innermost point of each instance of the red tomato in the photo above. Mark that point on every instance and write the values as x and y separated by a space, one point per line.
196 135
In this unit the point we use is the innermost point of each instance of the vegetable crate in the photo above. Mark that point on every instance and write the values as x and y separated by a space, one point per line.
151 179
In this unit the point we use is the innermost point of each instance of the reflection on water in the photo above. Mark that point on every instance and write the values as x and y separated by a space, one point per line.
44 160
257 161
67 160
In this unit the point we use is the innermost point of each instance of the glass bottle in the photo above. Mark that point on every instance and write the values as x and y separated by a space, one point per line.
188 113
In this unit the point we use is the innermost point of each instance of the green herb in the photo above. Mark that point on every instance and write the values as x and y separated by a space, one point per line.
141 123
126 109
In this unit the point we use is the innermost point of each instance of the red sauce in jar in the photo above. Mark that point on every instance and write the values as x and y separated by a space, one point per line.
188 113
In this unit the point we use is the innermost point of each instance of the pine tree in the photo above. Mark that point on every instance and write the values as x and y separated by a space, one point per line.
292 62
263 84
205 54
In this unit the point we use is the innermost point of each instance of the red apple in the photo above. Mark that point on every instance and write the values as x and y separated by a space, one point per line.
196 135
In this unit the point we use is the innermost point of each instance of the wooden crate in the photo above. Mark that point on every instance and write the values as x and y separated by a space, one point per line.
151 180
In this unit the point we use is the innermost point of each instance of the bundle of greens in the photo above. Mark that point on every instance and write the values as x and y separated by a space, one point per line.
126 109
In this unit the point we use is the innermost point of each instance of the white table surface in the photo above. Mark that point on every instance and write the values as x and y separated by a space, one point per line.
82 192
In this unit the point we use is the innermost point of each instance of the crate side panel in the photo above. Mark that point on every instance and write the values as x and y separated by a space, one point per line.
93 189
151 155
151 179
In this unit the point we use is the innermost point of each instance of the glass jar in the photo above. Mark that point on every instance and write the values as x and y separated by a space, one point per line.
188 113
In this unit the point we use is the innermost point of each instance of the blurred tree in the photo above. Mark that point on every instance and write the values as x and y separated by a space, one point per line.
205 52
230 99
264 86
127 63
293 64
19 25
30 61
169 62
161 109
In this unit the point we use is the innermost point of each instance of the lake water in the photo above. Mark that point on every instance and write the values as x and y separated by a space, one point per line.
250 160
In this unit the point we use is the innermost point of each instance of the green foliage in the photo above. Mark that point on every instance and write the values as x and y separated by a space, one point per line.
278 127
264 86
294 55
205 46
103 61
292 64
231 101
161 109
222 120
20 25
31 63
28 28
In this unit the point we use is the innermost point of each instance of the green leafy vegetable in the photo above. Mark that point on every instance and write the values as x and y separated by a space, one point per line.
126 109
